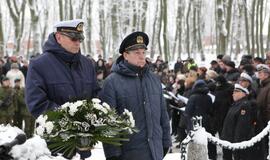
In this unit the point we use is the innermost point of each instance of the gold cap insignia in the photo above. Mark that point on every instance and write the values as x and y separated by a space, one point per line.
139 39
243 112
80 27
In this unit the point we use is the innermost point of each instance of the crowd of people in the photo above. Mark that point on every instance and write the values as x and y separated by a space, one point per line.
239 111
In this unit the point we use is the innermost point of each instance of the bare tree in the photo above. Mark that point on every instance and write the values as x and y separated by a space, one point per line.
268 37
178 35
247 27
165 31
33 6
222 30
1 36
253 27
188 29
143 16
261 28
153 39
200 23
88 31
257 29
17 11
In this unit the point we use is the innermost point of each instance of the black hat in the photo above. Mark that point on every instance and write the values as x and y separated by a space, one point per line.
71 28
230 64
135 40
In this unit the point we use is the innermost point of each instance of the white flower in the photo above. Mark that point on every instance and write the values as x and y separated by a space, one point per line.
40 130
100 107
131 119
41 120
73 108
78 103
66 105
104 104
49 127
96 100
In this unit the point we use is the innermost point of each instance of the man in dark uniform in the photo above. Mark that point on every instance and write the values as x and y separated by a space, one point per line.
61 73
238 124
132 86
7 109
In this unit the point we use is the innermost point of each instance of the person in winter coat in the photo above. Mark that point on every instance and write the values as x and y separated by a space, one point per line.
232 74
61 74
200 104
132 86
263 102
238 124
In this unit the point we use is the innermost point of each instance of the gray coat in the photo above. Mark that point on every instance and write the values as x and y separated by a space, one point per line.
139 91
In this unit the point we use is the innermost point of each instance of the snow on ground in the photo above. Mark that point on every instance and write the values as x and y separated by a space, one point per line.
36 149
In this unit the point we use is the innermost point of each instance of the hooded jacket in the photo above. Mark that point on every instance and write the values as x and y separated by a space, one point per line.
139 91
56 77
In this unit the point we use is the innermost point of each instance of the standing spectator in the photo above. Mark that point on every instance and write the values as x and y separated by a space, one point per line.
108 66
132 86
15 73
263 102
178 66
101 66
61 74
238 124
215 66
200 104
232 74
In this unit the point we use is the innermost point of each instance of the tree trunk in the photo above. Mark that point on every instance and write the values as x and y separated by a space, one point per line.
261 28
178 34
34 25
61 12
144 11
268 37
88 31
70 10
222 28
134 19
153 44
228 23
17 16
257 29
102 26
247 28
200 46
194 48
160 27
165 38
2 44
187 26
253 27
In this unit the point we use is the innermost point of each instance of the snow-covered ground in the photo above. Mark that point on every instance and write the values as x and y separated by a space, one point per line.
36 149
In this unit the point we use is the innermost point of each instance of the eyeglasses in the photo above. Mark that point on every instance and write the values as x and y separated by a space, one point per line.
72 38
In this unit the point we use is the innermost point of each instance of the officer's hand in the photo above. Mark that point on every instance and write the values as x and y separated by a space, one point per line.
165 151
114 158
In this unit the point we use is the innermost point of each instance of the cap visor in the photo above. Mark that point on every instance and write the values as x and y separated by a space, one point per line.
136 46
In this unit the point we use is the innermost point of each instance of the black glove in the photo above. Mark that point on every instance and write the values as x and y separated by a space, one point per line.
165 151
114 158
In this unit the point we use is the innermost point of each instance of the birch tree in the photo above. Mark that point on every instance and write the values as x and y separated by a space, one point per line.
17 11
1 36
34 25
